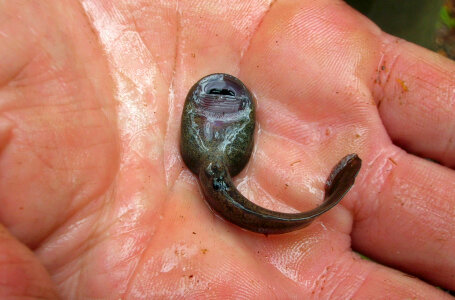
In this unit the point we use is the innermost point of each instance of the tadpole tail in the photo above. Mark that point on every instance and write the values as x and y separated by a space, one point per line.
224 198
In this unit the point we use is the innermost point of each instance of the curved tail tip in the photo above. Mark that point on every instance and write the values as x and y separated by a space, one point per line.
344 173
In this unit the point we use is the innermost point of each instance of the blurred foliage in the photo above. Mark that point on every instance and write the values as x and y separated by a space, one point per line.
416 21
445 35
446 17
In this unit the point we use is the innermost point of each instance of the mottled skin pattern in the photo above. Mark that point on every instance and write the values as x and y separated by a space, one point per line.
231 136
217 131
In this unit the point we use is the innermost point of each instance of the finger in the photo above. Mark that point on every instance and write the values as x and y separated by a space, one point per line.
21 274
372 280
319 263
415 93
404 217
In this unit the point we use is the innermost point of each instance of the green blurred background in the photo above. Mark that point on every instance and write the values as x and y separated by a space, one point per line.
428 23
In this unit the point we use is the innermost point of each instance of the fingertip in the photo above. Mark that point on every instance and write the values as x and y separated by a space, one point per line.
343 173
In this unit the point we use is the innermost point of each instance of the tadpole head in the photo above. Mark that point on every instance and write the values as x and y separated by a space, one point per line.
218 121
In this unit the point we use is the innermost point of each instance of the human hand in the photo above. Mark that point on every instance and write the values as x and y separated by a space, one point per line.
92 181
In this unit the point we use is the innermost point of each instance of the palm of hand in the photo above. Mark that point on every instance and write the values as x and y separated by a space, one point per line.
92 179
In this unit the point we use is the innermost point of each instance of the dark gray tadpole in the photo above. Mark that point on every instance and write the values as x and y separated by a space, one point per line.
217 132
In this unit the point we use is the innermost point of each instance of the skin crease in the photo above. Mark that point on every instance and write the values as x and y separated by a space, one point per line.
92 182
217 127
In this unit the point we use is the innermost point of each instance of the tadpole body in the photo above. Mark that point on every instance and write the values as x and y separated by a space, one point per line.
217 131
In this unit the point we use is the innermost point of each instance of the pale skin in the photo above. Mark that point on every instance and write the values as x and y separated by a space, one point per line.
92 182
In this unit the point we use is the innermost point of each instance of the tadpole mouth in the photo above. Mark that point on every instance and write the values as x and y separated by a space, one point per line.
225 92
223 85
222 93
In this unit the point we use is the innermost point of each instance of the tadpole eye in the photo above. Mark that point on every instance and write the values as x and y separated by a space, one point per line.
226 92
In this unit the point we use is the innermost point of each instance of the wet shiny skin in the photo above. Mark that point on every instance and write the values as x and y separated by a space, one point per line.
217 131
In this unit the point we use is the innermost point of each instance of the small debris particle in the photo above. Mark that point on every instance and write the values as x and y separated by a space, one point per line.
296 162
383 68
191 276
204 251
403 85
193 55
194 232
392 161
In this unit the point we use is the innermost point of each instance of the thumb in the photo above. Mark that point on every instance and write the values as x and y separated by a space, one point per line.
21 274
